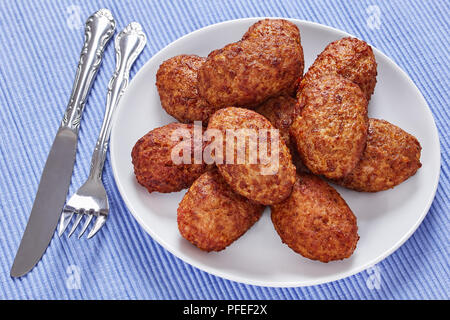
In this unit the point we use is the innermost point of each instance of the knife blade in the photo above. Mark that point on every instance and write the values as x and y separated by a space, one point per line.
56 176
50 198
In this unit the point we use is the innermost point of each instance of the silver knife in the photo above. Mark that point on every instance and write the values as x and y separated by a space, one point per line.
55 179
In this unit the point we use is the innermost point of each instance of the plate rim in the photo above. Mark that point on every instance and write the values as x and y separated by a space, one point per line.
277 284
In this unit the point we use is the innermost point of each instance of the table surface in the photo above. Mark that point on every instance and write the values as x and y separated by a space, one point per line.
40 44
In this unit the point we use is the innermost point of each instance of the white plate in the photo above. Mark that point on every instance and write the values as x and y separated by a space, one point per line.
385 219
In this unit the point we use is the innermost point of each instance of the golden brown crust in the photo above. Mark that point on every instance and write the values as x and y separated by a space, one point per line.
330 134
281 112
211 216
349 57
272 28
247 179
266 63
315 221
391 156
176 80
153 165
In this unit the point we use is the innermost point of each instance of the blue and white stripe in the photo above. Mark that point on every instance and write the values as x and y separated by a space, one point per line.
39 52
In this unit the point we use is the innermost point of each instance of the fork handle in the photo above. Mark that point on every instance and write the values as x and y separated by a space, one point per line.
98 30
128 45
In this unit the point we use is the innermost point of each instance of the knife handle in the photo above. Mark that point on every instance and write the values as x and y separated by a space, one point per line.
128 45
99 28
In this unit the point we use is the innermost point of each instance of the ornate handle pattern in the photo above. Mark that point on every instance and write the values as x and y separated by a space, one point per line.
128 45
99 29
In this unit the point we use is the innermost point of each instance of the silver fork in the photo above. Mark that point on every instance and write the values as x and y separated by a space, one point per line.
91 199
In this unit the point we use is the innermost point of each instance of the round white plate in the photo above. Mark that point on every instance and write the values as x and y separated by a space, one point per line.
385 219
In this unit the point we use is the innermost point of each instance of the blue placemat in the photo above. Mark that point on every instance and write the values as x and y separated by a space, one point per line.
39 46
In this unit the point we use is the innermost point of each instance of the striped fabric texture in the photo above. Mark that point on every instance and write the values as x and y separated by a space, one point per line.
39 46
